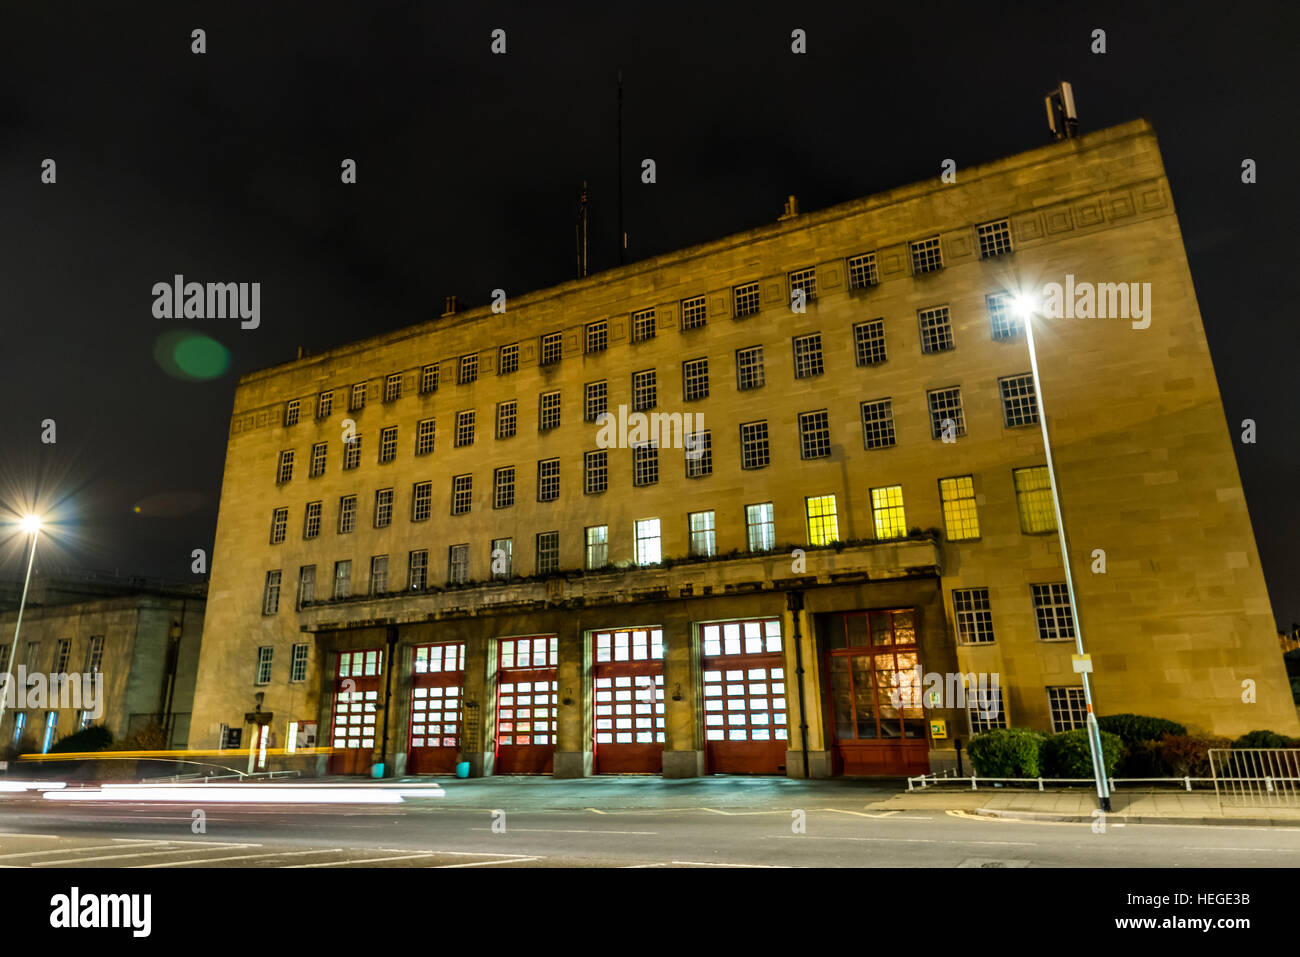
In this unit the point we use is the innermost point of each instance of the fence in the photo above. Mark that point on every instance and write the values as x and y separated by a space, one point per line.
925 781
1256 777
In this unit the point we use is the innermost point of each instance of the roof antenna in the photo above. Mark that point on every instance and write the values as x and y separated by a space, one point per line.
1062 119
581 238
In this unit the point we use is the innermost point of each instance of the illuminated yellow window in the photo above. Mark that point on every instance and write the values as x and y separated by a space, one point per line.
887 510
959 514
1034 496
823 527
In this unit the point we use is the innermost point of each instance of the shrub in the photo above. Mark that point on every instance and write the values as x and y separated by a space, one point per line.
1068 754
1264 739
1188 754
148 737
1136 728
95 738
1141 760
1007 753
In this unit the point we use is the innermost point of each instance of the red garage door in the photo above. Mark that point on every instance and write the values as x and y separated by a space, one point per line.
436 682
356 706
628 679
526 704
744 697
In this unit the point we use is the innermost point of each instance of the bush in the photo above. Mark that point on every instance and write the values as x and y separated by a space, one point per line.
95 738
1264 739
148 737
1133 729
1188 754
1068 754
1007 753
1141 760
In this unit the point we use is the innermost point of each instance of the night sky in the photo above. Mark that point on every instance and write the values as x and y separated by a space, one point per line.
226 167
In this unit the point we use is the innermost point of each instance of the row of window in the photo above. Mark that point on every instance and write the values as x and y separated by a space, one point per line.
62 655
1066 706
266 656
926 257
947 420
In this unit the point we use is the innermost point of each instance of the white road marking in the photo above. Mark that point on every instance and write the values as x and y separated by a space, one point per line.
73 850
52 837
242 857
370 860
513 860
717 864
563 830
177 847
889 840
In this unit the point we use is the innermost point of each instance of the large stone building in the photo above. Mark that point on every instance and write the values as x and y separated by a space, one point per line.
430 550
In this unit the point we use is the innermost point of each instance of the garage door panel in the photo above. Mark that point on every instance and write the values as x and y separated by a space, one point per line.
437 682
526 704
628 701
355 713
743 684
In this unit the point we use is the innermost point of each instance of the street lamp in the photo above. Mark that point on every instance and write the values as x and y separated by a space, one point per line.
31 525
1026 306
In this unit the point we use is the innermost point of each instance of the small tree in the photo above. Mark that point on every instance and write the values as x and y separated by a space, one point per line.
95 738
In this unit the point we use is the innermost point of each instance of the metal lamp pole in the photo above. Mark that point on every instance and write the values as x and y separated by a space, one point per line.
33 525
1094 730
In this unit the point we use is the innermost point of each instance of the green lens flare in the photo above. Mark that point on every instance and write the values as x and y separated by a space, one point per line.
191 355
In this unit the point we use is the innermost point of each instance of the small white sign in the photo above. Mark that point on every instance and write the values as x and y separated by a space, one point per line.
1082 664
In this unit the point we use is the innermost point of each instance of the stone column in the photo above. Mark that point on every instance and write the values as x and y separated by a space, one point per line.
573 755
683 747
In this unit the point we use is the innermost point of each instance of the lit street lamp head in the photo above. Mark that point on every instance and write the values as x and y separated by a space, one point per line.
30 524
1024 305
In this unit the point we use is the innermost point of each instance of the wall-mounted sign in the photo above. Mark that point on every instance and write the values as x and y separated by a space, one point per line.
938 728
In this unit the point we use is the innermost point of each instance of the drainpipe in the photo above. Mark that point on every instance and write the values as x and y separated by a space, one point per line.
794 601
388 696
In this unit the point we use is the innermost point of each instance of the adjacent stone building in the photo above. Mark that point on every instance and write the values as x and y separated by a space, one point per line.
432 548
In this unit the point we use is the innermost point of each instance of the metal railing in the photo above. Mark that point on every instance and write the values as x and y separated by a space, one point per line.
924 781
1256 777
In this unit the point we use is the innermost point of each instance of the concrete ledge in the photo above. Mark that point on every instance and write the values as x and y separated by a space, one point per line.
819 764
683 764
573 764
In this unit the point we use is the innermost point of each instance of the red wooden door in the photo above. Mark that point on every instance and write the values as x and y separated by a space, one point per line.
628 685
743 680
526 706
356 707
438 675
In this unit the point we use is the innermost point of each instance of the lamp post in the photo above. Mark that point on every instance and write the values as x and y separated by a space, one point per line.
31 524
1026 307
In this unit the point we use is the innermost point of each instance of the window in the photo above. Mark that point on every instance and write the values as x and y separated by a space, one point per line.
4 658
823 523
352 453
995 238
263 671
347 514
703 535
387 444
974 616
291 411
319 452
595 472
1034 498
20 725
417 569
507 418
869 342
378 574
421 501
814 434
936 329
596 401
699 454
1019 403
95 653
33 655
548 480
597 546
357 401
383 508
306 584
597 338
695 379
502 557
1003 321
1052 609
694 312
549 411
298 661
324 405
878 424
862 271
753 445
643 325
805 280
62 653
279 525
429 379
464 429
960 516
926 256
807 356
508 359
462 489
946 412
84 718
548 552
1068 707
645 464
760 527
284 470
552 348
503 487
746 299
645 390
749 368
271 593
393 387
458 564
985 708
425 431
887 512
648 542
467 369
343 579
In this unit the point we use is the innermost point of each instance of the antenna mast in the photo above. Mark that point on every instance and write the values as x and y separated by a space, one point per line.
581 237
1062 119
